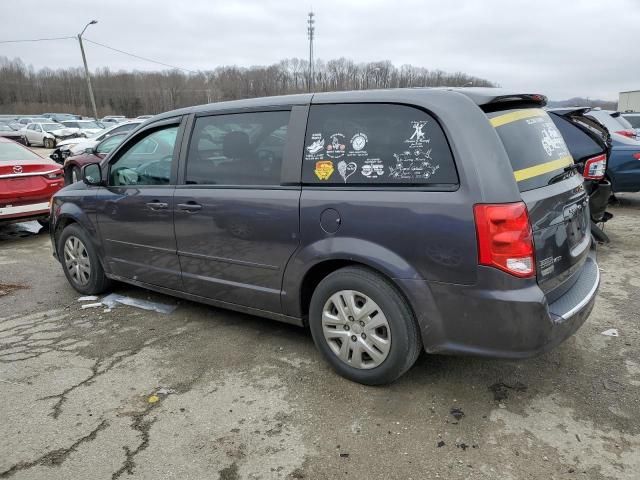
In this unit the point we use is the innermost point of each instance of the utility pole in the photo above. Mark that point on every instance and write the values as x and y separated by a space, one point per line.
86 69
310 33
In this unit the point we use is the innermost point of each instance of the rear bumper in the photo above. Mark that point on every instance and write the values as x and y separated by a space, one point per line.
501 317
24 212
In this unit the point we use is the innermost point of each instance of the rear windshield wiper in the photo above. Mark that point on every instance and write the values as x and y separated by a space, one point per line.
565 174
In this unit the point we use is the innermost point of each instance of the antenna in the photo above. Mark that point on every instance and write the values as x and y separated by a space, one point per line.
310 33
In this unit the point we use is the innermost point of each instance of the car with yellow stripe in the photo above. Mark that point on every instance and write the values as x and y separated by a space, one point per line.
389 222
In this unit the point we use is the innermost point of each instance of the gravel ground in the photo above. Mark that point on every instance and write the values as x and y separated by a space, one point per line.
206 393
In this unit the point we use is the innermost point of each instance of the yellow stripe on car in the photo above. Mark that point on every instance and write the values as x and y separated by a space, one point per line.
515 116
527 173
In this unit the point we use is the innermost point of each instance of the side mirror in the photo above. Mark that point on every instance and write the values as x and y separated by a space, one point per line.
92 174
88 150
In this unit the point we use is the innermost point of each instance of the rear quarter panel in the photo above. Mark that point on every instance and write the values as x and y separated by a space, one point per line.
406 233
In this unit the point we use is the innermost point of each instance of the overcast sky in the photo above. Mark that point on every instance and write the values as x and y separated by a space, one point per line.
560 48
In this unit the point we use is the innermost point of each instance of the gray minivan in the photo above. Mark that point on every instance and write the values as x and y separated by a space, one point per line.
391 221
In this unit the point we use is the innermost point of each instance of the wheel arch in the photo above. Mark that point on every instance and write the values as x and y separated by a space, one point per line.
320 270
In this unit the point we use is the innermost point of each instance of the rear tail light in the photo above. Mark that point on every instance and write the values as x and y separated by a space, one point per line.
636 156
627 133
595 167
505 239
54 175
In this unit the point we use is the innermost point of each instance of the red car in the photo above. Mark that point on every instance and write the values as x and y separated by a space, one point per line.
27 182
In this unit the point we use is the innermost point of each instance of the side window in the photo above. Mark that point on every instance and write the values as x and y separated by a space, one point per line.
141 165
237 149
121 129
109 144
38 128
375 144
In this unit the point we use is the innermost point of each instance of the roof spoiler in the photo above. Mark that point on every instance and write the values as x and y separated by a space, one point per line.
525 100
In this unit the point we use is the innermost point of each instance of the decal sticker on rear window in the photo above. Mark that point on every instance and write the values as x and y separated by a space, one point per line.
324 169
346 169
336 146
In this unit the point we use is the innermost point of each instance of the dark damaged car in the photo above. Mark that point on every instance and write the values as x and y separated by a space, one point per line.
389 222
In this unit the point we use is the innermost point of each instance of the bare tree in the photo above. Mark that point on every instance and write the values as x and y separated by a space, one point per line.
132 93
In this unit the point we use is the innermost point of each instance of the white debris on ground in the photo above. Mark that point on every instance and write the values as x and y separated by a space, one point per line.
111 300
612 332
88 298
91 305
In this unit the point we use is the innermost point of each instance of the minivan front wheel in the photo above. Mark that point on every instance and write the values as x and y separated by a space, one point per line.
80 261
363 326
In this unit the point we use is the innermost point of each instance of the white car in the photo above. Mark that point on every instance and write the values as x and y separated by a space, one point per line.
47 134
87 128
634 119
79 145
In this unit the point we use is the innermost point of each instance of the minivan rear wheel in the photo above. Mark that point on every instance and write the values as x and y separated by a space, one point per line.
80 261
363 326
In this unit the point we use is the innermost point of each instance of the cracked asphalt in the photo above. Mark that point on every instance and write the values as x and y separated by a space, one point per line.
205 393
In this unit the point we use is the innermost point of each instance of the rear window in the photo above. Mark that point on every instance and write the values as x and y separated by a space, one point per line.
580 144
634 120
534 145
381 144
11 152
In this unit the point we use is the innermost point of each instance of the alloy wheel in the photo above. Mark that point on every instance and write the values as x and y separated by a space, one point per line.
356 329
76 260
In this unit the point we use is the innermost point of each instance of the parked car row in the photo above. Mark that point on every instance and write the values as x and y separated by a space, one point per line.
83 127
77 146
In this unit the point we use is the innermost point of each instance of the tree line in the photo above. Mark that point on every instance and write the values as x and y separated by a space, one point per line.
24 90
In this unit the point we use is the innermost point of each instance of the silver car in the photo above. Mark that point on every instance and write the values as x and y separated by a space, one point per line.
86 128
47 134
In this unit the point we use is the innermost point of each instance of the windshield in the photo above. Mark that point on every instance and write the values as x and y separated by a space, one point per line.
48 127
89 124
10 152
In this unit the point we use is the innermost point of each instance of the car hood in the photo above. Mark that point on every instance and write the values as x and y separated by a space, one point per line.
63 132
80 147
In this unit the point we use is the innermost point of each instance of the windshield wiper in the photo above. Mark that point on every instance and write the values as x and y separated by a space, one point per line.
565 174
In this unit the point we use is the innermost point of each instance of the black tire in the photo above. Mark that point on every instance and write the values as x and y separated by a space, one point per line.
26 142
49 143
98 282
406 343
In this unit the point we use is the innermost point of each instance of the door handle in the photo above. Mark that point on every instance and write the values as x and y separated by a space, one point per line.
155 205
189 207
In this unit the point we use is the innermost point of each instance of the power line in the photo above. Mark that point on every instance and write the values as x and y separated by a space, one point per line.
36 40
138 56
